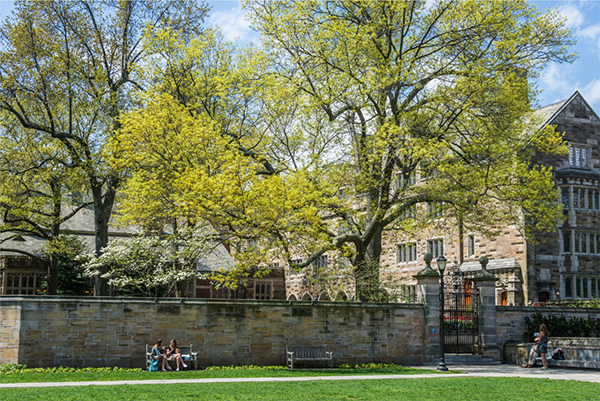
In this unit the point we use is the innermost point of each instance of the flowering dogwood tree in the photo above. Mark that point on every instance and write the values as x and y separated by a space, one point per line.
151 265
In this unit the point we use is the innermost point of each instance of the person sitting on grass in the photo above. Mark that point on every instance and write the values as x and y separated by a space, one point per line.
174 354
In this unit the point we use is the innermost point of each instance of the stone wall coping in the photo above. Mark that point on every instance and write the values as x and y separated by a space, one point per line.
565 342
546 309
11 299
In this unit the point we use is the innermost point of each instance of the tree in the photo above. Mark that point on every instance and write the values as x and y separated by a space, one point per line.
36 196
440 91
151 265
69 69
350 102
67 249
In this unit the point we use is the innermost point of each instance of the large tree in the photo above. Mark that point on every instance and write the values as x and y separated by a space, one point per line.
68 70
38 193
315 143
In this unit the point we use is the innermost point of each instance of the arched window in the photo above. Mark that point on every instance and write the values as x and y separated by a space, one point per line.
504 298
565 197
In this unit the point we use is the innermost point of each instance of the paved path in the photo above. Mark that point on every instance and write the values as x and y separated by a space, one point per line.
468 371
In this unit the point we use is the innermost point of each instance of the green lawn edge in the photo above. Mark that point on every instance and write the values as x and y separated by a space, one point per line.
202 374
442 388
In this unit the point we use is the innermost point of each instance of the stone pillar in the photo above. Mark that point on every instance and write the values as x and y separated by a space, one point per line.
428 293
511 291
485 282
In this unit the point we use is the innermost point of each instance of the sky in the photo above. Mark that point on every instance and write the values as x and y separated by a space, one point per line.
558 82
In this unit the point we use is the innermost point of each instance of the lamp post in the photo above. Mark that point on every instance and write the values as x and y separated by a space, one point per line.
441 262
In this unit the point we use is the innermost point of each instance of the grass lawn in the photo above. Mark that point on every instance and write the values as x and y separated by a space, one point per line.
447 389
200 374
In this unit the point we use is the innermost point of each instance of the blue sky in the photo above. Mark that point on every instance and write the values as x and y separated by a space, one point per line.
559 80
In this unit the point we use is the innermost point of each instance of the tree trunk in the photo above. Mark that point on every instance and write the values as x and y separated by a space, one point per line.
102 211
368 286
52 279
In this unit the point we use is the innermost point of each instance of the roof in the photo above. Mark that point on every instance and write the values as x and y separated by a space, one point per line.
493 264
82 226
548 113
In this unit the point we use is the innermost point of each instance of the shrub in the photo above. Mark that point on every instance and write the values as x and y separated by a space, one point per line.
559 326
14 368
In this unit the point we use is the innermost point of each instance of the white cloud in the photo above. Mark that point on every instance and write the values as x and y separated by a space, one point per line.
591 93
555 79
232 23
592 31
574 17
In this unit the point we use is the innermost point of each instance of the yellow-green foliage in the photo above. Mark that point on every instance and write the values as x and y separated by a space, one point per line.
274 146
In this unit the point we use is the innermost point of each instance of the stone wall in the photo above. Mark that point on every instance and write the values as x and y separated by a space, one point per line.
68 331
511 325
10 325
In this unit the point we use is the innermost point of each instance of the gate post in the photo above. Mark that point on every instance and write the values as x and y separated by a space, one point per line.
428 291
485 282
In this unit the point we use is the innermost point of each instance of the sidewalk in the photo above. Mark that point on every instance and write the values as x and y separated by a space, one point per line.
468 371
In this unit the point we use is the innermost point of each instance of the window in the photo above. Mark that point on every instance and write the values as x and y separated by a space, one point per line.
320 262
578 286
575 198
471 246
566 241
435 209
406 182
578 156
23 284
407 253
590 200
585 287
568 288
565 197
435 247
294 270
577 243
220 292
410 213
410 293
596 201
263 290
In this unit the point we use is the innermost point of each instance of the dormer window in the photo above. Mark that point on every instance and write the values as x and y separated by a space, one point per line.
578 156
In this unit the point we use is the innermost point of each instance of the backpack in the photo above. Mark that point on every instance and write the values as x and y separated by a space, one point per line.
558 355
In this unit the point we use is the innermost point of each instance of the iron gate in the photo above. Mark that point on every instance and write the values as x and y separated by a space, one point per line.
460 321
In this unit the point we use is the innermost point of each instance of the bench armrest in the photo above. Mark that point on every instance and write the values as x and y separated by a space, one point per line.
291 353
329 354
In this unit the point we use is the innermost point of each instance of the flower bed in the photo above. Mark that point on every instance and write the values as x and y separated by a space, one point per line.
458 323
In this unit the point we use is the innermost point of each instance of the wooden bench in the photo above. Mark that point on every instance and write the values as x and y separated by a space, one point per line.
186 352
319 353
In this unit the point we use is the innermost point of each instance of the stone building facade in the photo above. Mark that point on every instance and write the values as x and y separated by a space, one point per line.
563 264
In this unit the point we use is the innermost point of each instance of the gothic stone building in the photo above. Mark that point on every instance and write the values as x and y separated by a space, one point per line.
564 264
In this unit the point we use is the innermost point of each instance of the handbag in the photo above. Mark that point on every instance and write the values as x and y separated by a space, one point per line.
153 367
